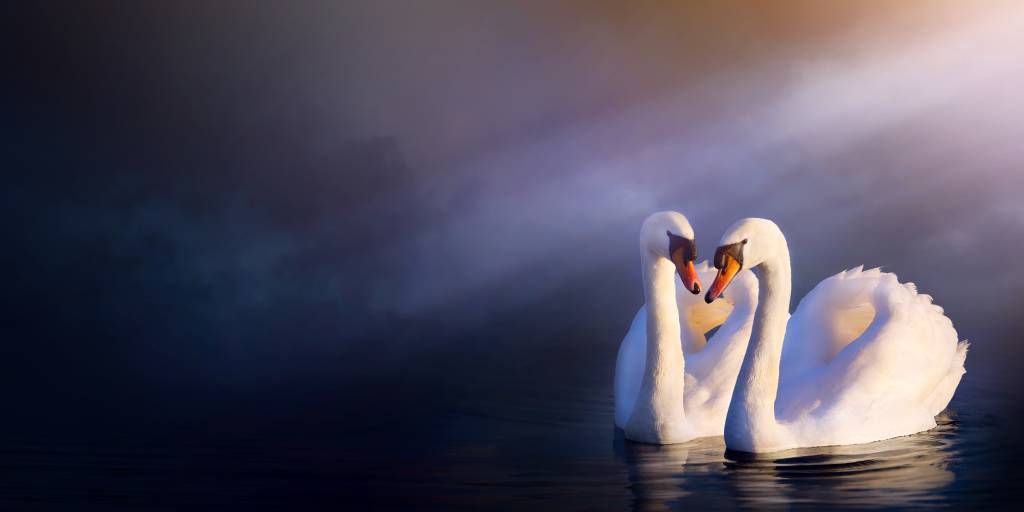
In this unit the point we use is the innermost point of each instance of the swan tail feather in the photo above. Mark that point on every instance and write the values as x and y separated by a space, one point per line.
947 386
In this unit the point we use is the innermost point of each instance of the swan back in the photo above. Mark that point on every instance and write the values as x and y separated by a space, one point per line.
863 345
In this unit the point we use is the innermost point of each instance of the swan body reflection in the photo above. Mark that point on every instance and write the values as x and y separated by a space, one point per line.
903 471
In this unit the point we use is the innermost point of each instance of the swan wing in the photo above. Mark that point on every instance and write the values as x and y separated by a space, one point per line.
697 317
711 372
869 358
629 368
833 314
732 315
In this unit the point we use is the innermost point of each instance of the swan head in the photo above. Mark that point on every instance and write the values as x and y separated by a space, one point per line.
745 245
669 235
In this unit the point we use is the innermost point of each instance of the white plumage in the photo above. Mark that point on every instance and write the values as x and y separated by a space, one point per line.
863 358
706 379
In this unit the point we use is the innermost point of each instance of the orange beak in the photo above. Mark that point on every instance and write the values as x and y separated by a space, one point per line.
722 280
687 272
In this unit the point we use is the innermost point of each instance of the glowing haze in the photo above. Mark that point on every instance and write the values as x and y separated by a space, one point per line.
266 186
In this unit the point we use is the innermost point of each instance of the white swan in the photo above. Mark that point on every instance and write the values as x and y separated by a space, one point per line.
865 358
658 398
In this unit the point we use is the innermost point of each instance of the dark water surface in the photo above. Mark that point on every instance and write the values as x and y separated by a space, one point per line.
536 441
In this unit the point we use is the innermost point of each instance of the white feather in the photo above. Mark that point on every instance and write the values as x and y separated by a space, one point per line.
709 374
863 358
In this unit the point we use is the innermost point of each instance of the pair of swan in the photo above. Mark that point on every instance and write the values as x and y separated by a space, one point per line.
863 358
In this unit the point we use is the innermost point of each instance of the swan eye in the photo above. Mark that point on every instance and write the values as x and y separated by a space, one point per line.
677 243
733 250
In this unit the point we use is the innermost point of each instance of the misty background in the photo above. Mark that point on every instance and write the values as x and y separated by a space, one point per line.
330 207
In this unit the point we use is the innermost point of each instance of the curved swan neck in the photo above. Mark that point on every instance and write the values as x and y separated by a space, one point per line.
752 410
770 324
664 349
